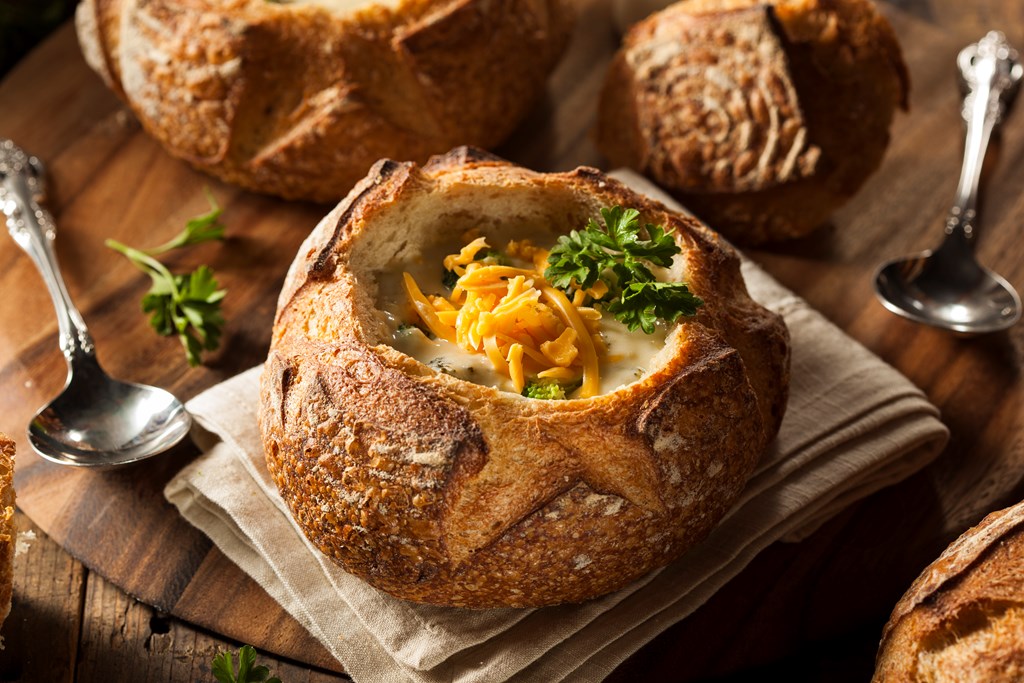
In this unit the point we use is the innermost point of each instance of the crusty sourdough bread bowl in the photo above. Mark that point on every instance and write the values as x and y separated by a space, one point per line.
439 490
762 117
8 536
298 99
963 619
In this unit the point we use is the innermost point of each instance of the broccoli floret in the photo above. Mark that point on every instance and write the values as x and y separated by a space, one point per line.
441 365
449 279
493 257
405 329
548 390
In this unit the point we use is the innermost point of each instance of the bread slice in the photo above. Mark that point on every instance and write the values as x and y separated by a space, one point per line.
8 535
963 618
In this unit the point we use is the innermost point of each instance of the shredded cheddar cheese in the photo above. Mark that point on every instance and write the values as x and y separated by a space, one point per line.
525 327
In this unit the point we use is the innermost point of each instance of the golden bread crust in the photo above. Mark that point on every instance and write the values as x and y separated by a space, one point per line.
8 534
762 117
963 618
443 491
296 101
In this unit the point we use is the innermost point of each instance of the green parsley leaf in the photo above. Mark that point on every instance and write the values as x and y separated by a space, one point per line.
223 668
644 303
618 256
184 305
203 228
578 258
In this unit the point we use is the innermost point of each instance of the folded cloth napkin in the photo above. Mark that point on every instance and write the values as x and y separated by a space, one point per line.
853 425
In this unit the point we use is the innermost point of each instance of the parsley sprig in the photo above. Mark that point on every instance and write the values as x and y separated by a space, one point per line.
248 671
617 255
186 305
204 228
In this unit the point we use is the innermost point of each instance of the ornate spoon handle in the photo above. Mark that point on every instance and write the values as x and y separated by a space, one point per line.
990 74
32 227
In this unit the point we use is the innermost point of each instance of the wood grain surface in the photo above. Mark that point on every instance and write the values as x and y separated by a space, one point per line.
109 180
68 624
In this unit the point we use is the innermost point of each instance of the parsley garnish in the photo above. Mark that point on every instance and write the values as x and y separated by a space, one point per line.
643 303
248 672
186 305
203 228
618 256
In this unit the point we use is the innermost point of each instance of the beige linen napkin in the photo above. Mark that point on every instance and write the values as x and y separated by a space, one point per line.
853 425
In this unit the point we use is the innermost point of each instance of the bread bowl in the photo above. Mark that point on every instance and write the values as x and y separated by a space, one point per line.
963 618
297 98
441 490
8 537
763 117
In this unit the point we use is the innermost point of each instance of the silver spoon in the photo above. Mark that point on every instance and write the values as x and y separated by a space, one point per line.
96 421
947 287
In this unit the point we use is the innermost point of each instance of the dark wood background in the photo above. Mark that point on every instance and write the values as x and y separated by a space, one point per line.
812 610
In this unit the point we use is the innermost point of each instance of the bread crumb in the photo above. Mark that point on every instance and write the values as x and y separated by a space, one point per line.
25 539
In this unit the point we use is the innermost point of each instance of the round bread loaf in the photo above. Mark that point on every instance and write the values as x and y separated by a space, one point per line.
963 618
298 98
8 536
440 490
763 118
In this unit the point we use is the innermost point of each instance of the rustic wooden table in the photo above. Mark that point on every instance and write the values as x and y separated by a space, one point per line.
812 610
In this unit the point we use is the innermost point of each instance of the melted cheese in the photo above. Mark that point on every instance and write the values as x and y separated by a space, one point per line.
504 325
591 376
501 311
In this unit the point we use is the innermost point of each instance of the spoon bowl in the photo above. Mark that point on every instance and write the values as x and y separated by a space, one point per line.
947 287
976 301
96 421
100 421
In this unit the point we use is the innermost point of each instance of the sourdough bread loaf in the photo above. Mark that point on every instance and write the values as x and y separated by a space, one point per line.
444 491
762 117
8 536
299 98
963 618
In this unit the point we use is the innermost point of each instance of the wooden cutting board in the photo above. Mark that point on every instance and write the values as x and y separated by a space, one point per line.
108 179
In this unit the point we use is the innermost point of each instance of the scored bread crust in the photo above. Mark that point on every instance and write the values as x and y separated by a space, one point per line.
963 618
297 101
8 535
801 124
439 490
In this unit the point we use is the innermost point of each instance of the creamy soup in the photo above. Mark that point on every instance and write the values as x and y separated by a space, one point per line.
626 356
